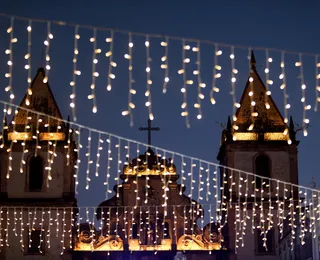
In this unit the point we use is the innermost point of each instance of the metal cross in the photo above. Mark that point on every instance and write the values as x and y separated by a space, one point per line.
149 129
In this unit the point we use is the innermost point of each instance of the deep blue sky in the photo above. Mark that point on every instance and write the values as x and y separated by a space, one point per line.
289 25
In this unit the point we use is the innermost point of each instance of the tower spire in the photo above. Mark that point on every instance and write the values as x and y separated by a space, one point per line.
253 60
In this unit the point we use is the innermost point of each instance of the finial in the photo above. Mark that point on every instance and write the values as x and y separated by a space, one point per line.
252 60
291 124
229 125
292 133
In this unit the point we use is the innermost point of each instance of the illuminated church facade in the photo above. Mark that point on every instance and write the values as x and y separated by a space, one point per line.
136 223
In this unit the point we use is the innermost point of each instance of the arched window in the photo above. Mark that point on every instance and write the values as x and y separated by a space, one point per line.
35 181
262 168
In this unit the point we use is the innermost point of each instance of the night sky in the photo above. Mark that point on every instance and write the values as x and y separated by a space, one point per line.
287 25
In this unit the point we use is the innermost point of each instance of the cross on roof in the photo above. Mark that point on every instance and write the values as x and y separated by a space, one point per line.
149 129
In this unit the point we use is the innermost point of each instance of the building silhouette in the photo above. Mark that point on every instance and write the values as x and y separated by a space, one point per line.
163 219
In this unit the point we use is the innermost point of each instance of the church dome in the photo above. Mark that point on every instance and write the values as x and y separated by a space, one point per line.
150 163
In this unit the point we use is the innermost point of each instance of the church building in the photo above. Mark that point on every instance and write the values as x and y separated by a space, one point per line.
149 216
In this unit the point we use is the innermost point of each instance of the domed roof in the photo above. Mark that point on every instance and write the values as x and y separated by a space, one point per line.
150 163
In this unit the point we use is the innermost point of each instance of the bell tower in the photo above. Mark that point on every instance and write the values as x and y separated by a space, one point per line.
37 159
258 140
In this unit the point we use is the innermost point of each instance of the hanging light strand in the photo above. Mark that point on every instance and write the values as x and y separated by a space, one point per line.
200 84
28 66
165 65
284 87
118 146
234 72
268 82
305 120
182 71
208 192
47 44
88 161
9 169
132 91
149 82
109 55
78 161
108 167
317 89
251 93
100 141
75 73
94 74
215 74
9 51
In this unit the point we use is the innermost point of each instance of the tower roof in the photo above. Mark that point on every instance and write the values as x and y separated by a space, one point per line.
265 119
41 100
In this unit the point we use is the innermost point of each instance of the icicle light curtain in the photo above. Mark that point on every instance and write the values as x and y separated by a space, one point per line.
273 202
202 70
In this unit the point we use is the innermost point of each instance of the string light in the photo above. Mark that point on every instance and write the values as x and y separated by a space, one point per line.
9 169
70 228
165 65
305 120
118 146
41 232
224 206
132 91
149 81
78 161
89 162
15 222
9 51
284 88
234 71
63 232
182 71
245 208
109 54
200 182
57 222
317 89
108 167
216 75
21 228
100 141
182 177
254 204
147 186
47 44
49 228
95 74
49 152
7 227
200 84
36 136
208 193
75 73
68 146
28 66
268 82
251 93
